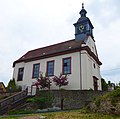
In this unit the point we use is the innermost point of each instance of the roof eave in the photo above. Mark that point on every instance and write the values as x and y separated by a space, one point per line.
62 53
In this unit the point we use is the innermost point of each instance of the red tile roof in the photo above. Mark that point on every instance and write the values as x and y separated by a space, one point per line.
50 51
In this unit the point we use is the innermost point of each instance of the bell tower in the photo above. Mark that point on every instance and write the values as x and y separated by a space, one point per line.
83 27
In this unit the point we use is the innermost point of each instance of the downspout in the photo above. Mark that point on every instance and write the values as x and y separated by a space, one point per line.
80 73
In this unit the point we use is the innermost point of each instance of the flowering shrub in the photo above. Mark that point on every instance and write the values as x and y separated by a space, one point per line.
42 82
61 80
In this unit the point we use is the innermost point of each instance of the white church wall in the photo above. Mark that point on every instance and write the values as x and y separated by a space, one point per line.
96 72
90 75
73 78
88 71
83 70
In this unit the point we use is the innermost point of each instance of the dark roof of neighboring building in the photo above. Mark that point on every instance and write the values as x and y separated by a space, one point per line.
51 51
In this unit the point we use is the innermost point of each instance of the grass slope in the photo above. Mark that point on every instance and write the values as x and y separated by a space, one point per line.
77 114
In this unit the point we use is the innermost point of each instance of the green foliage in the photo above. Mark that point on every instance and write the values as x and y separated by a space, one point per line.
40 101
43 101
14 112
114 101
97 102
62 89
74 114
115 93
113 96
12 86
104 85
91 89
117 85
30 100
37 99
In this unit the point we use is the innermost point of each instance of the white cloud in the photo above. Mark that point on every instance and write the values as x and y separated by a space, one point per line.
29 24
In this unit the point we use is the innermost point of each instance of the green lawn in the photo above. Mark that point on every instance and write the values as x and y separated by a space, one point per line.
77 114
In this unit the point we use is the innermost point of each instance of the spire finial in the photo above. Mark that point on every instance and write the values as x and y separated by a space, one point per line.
83 12
82 5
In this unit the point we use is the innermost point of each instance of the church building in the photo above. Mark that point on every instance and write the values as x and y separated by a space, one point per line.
77 57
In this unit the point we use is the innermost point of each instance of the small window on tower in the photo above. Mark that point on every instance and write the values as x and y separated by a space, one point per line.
94 65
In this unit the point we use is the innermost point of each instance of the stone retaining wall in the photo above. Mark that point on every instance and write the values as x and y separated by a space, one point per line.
73 99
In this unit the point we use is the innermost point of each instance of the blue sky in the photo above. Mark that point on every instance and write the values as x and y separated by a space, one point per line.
30 24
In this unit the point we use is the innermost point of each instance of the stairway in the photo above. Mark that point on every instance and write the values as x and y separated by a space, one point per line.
13 101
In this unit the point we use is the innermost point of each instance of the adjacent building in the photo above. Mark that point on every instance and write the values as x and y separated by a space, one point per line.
2 87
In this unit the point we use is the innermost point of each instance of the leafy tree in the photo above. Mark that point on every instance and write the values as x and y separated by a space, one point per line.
12 86
61 80
42 82
109 83
117 85
104 85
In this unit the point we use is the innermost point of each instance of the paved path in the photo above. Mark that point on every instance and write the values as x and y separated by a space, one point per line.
33 117
30 117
